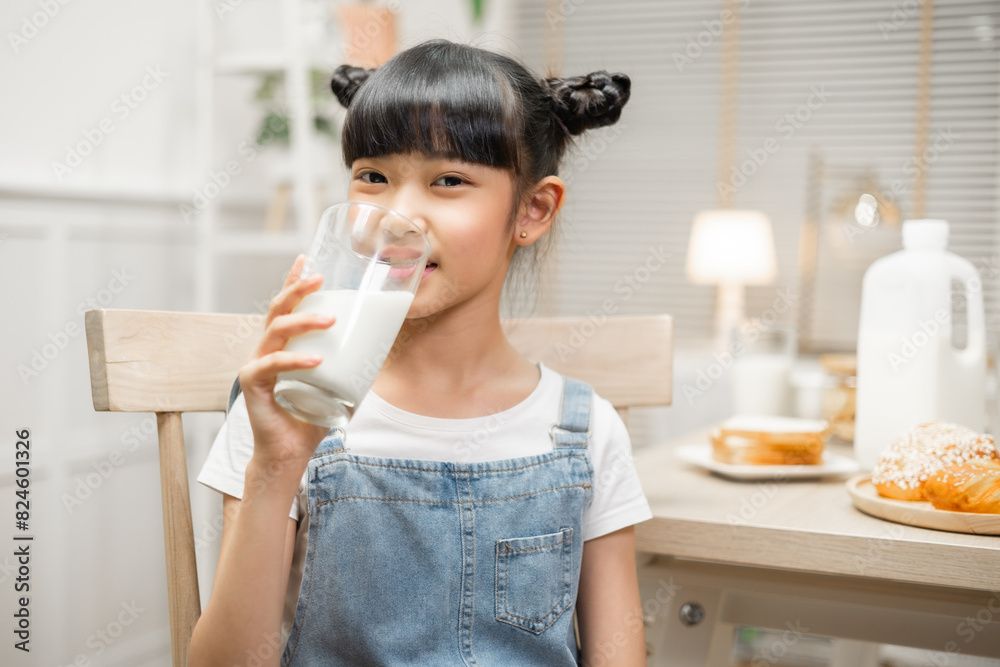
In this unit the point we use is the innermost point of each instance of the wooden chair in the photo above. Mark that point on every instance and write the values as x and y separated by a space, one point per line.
175 362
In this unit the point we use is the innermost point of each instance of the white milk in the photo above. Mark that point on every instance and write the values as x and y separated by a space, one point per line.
357 344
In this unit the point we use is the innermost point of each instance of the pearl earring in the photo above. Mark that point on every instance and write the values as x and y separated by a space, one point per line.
524 235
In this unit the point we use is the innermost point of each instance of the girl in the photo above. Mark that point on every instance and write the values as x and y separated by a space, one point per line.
476 503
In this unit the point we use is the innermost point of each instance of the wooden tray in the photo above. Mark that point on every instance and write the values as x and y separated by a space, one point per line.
918 513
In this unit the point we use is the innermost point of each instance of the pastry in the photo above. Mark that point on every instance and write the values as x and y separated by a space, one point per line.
902 470
769 440
966 488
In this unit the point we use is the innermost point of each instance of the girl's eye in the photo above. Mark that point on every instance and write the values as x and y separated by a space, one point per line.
450 181
371 177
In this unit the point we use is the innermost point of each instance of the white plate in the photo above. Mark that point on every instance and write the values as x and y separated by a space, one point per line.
701 456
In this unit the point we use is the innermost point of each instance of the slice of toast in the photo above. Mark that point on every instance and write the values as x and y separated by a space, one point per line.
770 440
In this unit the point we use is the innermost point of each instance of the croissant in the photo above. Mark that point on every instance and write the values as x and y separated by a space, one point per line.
966 488
905 466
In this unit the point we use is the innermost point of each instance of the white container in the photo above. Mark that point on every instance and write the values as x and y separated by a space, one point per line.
909 367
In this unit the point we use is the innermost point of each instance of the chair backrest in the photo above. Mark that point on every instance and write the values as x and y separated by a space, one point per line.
173 362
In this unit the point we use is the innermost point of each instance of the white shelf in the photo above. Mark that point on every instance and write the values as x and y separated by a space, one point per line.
259 242
263 62
213 240
92 194
252 62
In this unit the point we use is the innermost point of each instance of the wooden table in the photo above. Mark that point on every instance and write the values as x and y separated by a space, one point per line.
791 555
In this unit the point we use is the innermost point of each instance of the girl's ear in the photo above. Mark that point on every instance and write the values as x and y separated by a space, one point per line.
539 210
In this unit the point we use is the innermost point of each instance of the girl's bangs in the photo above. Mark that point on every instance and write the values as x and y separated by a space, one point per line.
439 111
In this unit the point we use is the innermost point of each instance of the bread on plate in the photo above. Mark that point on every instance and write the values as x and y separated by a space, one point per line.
770 440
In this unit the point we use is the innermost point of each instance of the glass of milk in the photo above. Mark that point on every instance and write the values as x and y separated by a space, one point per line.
372 259
762 365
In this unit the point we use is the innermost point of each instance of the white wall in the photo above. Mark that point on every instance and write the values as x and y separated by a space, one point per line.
108 231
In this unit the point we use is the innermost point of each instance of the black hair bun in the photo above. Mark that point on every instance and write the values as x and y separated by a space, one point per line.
592 100
346 81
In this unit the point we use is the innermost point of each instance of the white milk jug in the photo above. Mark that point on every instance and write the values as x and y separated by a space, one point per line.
910 368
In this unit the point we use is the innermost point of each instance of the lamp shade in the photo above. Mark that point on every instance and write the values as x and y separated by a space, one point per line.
731 246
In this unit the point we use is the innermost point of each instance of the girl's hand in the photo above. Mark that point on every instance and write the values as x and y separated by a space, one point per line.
278 436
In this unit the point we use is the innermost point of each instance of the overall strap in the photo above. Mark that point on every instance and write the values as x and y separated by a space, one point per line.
574 419
233 393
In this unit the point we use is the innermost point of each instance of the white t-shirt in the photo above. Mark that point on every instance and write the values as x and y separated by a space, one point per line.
381 429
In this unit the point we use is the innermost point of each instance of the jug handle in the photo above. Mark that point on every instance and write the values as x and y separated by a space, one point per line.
973 285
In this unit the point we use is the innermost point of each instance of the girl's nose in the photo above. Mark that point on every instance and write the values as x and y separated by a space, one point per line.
408 205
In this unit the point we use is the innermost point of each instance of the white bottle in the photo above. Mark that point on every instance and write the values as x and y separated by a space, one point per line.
909 368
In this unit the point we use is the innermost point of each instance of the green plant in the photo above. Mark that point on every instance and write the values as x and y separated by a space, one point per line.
271 95
477 10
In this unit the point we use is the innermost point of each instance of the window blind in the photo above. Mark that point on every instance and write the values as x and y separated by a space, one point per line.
830 83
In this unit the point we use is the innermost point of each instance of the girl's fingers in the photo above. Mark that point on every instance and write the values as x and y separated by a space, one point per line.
267 367
292 294
295 271
284 327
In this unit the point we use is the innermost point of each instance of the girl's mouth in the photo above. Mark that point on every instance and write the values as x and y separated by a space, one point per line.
406 272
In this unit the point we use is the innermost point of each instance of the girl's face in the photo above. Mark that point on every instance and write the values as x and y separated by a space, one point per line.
463 208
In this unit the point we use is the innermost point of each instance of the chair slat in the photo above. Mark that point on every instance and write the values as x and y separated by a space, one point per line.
628 360
164 361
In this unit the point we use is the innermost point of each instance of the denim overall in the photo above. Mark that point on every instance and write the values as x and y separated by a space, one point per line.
437 563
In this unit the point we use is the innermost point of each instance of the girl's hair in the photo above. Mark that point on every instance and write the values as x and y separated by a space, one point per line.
456 101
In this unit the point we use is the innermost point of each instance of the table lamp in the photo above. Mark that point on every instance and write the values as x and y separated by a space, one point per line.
730 248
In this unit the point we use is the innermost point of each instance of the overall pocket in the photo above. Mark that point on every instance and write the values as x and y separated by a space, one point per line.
534 579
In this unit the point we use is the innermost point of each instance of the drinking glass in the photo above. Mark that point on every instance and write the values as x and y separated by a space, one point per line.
372 259
761 370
